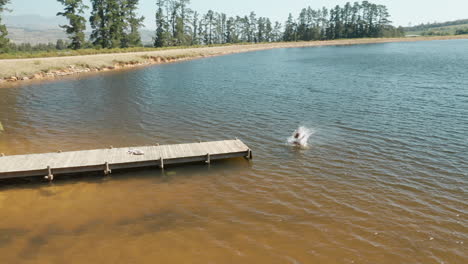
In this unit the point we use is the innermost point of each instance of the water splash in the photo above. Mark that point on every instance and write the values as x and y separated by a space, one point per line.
300 137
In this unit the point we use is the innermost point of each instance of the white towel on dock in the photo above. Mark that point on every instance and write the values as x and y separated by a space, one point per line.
136 152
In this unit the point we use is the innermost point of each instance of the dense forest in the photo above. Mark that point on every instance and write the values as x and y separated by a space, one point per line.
116 24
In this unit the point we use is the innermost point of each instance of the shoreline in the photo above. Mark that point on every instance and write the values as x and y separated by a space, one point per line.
16 71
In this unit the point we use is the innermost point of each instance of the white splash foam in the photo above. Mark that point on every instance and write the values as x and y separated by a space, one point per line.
302 140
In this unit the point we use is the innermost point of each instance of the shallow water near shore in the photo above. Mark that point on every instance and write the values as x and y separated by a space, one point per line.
383 180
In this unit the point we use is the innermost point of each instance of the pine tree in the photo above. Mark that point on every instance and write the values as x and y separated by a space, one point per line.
116 23
3 30
290 29
73 11
302 25
277 35
268 30
131 37
253 27
261 29
201 31
161 25
195 29
99 24
179 34
210 21
182 34
230 30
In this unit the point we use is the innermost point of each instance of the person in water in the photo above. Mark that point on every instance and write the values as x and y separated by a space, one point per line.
297 138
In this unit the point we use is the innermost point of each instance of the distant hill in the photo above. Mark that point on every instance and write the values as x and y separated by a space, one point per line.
36 29
35 22
448 27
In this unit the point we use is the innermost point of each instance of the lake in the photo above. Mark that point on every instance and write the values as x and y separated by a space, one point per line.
383 180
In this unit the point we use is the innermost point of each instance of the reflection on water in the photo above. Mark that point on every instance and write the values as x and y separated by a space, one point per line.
384 179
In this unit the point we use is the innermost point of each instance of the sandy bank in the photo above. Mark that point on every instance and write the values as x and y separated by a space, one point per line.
15 70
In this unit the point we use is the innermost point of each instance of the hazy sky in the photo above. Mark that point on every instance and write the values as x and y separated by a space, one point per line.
403 11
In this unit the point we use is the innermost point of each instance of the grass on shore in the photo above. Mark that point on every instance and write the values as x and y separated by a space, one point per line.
82 52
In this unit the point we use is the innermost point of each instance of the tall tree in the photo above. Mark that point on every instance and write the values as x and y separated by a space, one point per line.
115 23
179 33
182 23
252 27
194 37
210 23
261 30
161 25
268 31
201 34
133 23
302 26
115 16
99 24
3 30
230 30
73 12
277 34
290 29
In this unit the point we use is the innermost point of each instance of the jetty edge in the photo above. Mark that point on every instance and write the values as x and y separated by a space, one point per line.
106 160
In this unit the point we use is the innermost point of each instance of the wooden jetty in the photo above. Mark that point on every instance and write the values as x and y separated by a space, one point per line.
106 160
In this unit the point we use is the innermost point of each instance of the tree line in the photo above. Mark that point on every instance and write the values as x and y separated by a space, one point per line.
428 26
116 24
178 25
358 20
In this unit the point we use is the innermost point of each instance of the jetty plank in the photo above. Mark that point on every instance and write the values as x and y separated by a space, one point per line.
118 158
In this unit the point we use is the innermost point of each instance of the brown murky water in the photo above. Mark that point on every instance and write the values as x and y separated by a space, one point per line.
384 179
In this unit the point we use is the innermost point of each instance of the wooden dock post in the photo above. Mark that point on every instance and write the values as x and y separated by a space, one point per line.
49 176
107 169
161 163
249 154
208 158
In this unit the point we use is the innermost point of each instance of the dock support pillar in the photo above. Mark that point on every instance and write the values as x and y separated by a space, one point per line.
249 154
208 158
161 163
49 176
107 169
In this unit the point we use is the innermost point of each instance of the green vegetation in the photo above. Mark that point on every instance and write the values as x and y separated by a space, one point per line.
461 31
438 29
3 30
24 51
356 20
115 27
73 11
115 23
